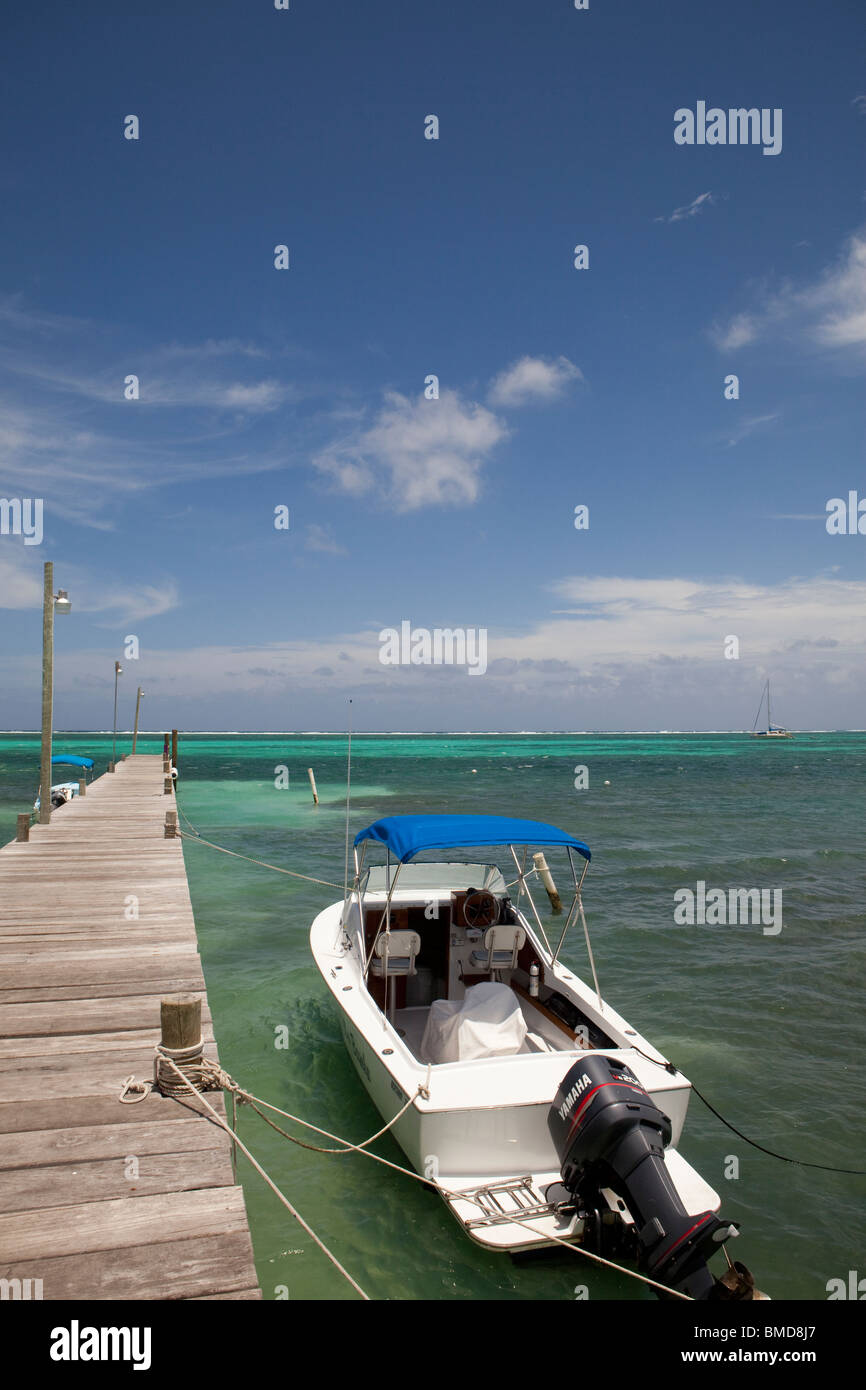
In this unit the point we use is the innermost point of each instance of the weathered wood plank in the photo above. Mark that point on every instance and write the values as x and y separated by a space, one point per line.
100 1179
202 1267
83 1143
80 992
120 1223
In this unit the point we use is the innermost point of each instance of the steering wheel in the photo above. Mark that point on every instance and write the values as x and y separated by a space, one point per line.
480 909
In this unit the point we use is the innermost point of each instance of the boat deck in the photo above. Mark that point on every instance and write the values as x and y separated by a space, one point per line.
101 1200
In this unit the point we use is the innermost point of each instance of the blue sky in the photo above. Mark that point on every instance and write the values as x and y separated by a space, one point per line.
409 256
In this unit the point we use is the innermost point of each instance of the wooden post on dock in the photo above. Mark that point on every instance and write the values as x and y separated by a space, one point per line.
170 825
23 834
180 1021
174 747
82 788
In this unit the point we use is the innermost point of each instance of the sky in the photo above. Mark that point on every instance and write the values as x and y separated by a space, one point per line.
308 388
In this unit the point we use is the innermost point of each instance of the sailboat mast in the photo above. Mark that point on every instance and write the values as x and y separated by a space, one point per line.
769 716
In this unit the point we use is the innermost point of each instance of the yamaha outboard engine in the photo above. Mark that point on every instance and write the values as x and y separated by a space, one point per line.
609 1133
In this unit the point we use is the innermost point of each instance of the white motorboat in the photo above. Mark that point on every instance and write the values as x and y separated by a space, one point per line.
62 792
537 1111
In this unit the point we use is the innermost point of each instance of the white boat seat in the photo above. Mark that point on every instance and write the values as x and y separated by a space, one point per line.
501 945
402 947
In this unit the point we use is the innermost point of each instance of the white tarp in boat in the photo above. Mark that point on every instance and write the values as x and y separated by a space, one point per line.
487 1023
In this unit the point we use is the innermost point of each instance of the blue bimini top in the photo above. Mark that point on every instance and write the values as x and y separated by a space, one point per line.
406 836
72 760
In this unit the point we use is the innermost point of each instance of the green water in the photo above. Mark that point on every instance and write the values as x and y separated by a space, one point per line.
771 1028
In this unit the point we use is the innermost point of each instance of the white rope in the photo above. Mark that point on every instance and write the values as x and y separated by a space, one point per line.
250 1099
199 839
455 1196
271 1184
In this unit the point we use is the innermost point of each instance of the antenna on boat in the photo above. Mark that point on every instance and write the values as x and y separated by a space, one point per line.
348 795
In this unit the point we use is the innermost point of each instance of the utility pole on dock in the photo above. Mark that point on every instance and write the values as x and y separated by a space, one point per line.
137 707
118 671
51 603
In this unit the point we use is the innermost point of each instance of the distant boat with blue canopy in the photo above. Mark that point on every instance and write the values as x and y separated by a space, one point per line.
534 1108
61 792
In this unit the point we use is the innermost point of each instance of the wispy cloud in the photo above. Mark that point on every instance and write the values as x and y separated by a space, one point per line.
703 200
321 538
416 453
747 426
533 379
740 330
828 313
21 588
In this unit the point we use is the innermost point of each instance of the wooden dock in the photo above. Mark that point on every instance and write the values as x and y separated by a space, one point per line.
100 1200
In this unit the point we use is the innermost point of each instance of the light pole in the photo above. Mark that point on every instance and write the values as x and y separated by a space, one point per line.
51 603
118 671
137 707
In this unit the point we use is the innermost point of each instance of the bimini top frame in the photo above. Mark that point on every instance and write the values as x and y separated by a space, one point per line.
406 836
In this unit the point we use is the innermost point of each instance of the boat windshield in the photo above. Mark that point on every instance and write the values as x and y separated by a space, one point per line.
444 876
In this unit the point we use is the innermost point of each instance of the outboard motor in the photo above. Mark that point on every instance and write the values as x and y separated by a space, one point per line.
609 1133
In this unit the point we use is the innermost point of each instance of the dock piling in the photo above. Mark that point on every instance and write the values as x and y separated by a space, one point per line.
547 879
23 833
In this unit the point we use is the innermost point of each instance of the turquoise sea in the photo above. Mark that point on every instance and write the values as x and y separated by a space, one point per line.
770 1027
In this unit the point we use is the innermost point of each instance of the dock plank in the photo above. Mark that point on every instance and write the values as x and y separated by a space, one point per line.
80 986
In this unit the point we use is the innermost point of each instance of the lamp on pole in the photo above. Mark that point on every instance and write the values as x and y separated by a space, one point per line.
137 707
51 603
118 671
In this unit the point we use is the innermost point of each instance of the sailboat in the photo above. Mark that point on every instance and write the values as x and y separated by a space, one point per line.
772 730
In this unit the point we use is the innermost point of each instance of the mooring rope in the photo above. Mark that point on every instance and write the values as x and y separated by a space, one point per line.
188 1085
215 1077
200 839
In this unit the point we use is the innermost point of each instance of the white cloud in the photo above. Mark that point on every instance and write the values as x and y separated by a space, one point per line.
21 588
741 329
690 209
20 581
748 426
828 313
533 379
417 453
322 538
